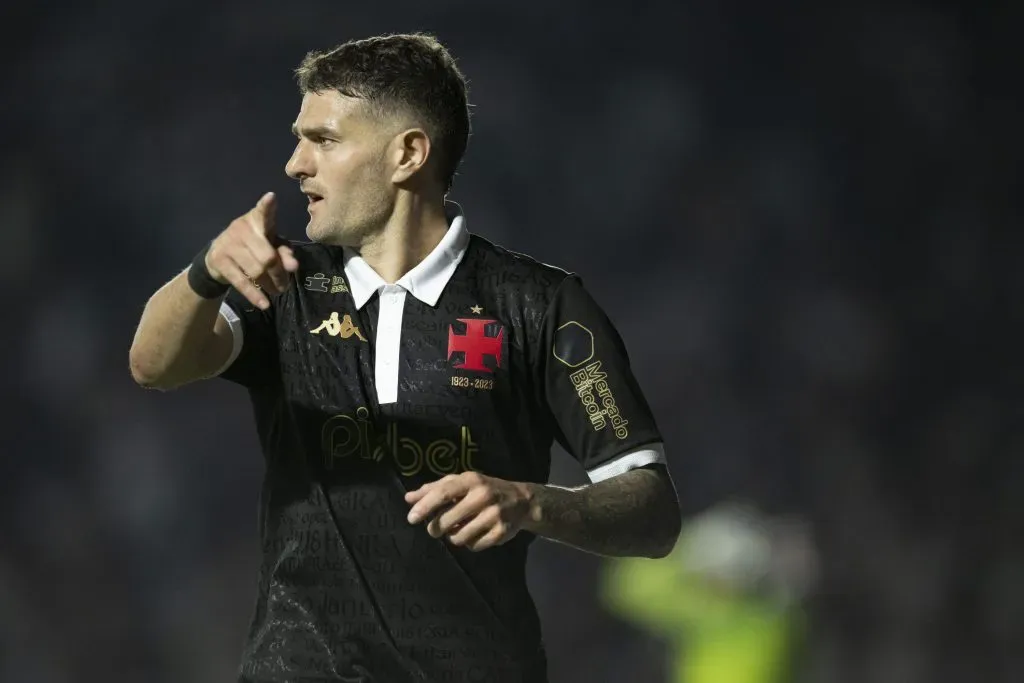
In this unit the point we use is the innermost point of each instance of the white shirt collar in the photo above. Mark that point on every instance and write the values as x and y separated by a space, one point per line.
428 279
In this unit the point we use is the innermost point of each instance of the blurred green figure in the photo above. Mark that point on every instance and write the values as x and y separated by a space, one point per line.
728 598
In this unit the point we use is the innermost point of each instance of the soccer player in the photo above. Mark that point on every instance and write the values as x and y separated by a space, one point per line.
408 380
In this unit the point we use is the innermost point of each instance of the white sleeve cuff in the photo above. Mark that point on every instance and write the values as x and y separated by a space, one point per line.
654 454
237 335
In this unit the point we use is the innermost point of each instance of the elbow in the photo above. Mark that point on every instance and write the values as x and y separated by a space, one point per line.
662 546
663 541
669 529
665 544
144 371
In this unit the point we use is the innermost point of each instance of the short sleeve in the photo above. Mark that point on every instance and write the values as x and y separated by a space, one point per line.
254 355
603 419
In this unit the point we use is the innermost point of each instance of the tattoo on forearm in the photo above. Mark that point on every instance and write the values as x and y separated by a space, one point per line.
633 514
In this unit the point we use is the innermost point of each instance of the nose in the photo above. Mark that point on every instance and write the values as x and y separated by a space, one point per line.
300 165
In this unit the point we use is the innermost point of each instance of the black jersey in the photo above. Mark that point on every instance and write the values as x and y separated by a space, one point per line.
479 359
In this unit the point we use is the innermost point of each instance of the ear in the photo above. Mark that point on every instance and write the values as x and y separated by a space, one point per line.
410 151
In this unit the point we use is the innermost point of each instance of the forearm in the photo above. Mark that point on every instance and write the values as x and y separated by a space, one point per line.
633 514
175 342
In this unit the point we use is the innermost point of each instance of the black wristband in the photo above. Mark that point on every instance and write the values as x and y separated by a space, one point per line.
200 280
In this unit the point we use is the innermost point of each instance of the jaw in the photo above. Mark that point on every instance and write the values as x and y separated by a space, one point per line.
320 229
315 229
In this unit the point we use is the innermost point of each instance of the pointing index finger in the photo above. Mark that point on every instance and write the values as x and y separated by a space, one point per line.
264 214
266 202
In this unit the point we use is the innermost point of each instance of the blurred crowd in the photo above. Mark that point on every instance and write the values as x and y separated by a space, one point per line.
803 221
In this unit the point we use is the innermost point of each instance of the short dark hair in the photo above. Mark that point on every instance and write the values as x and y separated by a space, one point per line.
412 73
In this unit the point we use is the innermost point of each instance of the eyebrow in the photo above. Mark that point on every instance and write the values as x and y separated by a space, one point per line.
314 132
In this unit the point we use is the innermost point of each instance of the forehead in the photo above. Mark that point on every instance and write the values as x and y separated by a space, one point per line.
329 109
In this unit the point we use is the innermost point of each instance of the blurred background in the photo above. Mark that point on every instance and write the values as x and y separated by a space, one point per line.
803 220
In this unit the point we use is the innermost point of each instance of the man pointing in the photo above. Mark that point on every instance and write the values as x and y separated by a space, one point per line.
408 380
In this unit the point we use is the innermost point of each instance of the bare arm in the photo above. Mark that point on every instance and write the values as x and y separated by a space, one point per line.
633 514
181 338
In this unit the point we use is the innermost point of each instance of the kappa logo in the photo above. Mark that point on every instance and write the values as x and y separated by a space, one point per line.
475 344
336 327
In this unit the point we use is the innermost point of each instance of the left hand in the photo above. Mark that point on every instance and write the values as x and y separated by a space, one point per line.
471 509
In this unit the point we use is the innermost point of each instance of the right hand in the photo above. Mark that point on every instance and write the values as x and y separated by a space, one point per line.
244 255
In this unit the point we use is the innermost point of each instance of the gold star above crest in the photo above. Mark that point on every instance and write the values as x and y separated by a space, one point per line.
477 310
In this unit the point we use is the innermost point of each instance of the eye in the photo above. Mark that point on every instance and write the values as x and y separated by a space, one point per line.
324 142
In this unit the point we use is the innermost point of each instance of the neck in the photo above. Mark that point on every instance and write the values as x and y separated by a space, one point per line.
415 227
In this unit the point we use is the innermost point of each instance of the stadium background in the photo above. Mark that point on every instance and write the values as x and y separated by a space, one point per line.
802 219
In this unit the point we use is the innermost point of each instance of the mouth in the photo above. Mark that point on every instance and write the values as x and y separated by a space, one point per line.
313 197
